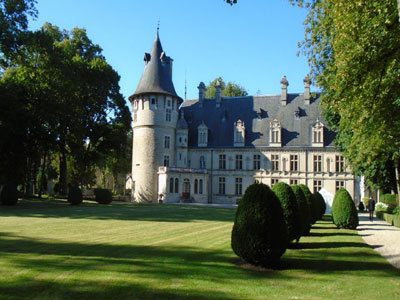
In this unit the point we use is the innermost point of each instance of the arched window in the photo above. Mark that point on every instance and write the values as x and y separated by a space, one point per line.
176 185
318 134
196 186
201 186
171 185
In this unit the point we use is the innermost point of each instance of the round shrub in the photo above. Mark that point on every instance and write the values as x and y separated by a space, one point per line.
321 204
361 206
290 209
344 211
304 210
75 195
103 196
9 194
259 234
311 203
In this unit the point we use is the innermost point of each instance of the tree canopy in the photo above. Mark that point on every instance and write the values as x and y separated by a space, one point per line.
229 89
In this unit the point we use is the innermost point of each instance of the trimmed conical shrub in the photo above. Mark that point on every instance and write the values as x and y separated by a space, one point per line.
344 212
9 195
103 196
290 209
311 203
304 210
259 234
75 195
321 204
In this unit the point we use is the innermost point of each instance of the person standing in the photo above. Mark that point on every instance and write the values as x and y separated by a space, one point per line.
371 208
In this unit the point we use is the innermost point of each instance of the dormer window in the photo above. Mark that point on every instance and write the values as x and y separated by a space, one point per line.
318 134
275 133
239 134
202 138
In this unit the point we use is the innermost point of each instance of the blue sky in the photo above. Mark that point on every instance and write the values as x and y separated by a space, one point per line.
253 43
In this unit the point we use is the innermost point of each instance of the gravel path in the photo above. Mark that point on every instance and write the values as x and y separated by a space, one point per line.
381 236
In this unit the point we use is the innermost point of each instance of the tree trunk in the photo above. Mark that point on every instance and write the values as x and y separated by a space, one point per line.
63 170
43 177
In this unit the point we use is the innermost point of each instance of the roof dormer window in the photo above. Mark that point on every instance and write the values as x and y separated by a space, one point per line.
275 133
202 138
239 134
318 134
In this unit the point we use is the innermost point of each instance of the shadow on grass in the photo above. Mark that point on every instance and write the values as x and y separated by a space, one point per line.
323 245
121 211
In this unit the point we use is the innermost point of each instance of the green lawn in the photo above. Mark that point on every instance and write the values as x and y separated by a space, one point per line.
51 250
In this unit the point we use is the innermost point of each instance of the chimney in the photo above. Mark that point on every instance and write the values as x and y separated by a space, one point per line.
202 93
307 96
218 97
284 85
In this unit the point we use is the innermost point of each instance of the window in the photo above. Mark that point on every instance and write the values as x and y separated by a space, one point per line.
171 185
317 185
196 186
294 162
274 180
176 185
167 140
221 186
339 163
202 135
294 181
166 160
239 133
317 163
318 133
201 186
275 132
275 162
153 101
222 161
238 186
257 162
239 162
168 103
339 184
202 162
168 115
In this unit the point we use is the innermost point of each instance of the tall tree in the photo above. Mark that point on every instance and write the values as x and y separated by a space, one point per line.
229 89
353 47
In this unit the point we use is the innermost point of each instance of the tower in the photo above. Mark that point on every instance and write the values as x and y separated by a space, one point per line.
155 107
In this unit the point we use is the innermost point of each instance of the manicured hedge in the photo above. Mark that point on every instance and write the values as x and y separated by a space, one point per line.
290 209
344 212
320 203
310 202
9 195
75 195
391 219
259 234
103 196
304 210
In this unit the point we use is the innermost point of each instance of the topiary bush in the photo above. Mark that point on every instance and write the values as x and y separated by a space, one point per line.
321 204
303 209
344 212
75 195
103 196
290 209
9 195
310 202
259 234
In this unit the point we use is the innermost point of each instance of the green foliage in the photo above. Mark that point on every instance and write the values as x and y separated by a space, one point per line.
365 201
290 208
9 194
311 204
75 195
259 234
229 89
320 204
388 199
344 211
352 47
103 196
304 210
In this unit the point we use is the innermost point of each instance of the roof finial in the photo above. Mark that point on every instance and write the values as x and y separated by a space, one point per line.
158 25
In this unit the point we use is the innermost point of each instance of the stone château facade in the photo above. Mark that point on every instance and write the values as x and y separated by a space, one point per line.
210 150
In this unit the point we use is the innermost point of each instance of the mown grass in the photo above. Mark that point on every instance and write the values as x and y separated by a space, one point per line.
51 250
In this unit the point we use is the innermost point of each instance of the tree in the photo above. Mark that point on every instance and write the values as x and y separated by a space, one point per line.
228 90
13 25
353 49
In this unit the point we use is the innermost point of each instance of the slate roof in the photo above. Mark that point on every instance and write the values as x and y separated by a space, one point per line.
156 77
256 112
